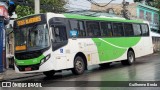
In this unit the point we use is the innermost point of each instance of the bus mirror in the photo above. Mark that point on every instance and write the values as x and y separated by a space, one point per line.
73 33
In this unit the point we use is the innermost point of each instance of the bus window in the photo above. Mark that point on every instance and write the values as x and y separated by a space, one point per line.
93 28
106 29
137 30
118 30
145 30
128 29
81 31
73 24
59 34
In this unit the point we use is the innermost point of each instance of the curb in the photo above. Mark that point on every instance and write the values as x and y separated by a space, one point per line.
1 76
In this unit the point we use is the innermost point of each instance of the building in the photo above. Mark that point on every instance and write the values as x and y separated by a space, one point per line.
10 42
137 11
4 17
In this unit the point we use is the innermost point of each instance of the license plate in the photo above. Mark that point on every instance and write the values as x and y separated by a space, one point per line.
28 69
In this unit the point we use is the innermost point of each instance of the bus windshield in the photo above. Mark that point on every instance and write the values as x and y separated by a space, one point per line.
33 37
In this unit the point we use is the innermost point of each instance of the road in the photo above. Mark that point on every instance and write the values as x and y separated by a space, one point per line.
145 69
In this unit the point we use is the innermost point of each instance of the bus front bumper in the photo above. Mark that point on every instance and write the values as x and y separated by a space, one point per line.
47 66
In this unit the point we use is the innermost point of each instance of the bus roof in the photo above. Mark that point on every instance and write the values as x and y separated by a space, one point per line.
76 16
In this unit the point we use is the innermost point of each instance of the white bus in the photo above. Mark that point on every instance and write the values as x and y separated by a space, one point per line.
51 42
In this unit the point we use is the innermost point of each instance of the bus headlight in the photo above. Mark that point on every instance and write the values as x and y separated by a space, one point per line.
45 59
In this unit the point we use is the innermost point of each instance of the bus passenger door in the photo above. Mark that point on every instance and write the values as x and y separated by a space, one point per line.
59 40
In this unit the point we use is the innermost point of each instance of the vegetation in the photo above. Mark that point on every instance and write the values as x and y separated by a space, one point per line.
27 7
153 3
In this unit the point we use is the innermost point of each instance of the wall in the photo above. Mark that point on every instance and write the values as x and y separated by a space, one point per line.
150 14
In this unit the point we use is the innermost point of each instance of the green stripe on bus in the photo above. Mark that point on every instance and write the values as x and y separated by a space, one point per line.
75 16
113 48
29 61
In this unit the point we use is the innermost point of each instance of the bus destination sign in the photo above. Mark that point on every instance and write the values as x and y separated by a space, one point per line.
29 20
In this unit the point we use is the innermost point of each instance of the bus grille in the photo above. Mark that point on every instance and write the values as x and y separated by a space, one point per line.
28 55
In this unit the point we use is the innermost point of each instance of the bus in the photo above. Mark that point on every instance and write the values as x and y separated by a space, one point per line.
53 42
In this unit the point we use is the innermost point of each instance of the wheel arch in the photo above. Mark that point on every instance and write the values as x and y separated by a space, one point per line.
131 49
84 58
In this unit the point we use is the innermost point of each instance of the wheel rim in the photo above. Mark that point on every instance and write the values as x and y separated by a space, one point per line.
79 66
131 57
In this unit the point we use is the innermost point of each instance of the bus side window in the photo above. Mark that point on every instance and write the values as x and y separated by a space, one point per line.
73 24
93 28
145 30
137 30
128 29
106 29
59 34
118 30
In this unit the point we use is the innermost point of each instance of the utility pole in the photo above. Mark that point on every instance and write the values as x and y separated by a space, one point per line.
125 12
37 6
124 8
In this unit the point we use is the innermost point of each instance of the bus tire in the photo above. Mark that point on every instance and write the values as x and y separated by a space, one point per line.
49 73
79 66
130 58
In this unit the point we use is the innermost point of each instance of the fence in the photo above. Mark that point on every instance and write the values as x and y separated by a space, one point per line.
156 44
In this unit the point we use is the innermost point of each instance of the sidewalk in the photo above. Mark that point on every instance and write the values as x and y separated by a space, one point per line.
10 74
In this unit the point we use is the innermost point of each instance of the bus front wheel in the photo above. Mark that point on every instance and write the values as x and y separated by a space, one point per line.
49 73
130 58
79 66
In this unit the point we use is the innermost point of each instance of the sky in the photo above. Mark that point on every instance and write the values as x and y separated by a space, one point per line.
84 4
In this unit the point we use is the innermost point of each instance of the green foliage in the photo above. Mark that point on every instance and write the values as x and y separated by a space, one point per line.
56 6
152 3
156 4
22 11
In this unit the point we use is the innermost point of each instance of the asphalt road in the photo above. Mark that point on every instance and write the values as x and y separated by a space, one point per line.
145 69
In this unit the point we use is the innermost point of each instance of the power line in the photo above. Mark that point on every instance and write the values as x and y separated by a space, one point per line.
95 3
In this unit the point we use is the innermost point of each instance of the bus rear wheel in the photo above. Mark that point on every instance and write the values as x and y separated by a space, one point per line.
79 66
49 73
130 58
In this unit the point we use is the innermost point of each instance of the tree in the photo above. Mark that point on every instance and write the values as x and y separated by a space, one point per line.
153 3
22 11
156 3
27 7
